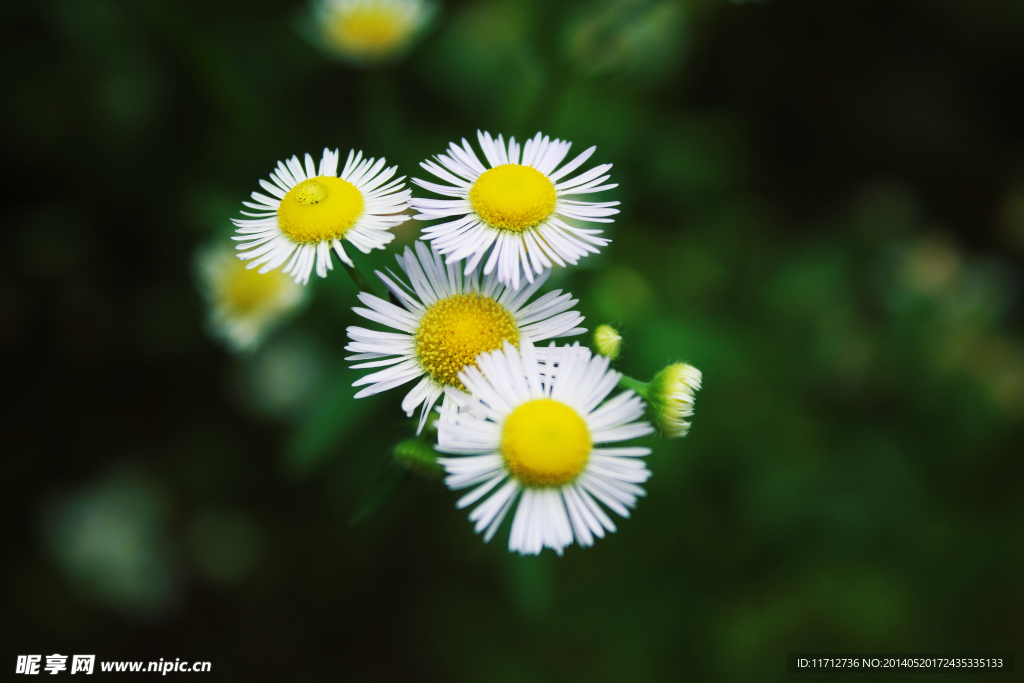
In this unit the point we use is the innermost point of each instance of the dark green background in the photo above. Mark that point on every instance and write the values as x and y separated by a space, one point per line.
822 209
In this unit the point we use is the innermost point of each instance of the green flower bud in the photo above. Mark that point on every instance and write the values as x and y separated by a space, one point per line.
607 341
418 457
671 398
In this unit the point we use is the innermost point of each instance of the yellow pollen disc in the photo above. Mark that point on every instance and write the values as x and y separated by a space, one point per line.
454 331
545 443
319 209
369 32
512 197
245 291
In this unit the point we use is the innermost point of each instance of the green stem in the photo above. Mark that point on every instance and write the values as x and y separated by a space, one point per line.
357 277
641 388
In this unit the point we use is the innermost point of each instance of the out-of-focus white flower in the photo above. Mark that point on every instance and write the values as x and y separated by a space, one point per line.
243 305
110 539
370 30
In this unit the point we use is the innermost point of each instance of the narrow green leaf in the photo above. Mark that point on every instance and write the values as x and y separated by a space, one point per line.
389 481
329 421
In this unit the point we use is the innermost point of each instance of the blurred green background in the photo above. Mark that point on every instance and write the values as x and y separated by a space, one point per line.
822 209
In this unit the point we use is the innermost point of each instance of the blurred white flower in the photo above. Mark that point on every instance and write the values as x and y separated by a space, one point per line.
109 540
243 305
286 376
639 40
370 30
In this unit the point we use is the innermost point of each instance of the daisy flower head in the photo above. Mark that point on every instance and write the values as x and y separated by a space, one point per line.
443 321
541 433
519 206
370 30
242 304
311 210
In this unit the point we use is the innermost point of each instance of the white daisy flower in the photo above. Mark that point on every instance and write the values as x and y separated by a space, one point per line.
370 30
310 211
444 321
242 304
538 432
517 207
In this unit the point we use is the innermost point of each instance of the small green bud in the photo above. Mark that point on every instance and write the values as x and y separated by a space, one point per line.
419 458
608 341
671 398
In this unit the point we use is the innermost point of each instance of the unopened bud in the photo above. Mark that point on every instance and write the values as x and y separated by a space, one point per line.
671 398
419 458
608 341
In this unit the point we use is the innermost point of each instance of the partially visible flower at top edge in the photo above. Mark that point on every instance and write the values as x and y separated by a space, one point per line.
311 210
369 31
242 305
638 40
541 431
516 208
444 322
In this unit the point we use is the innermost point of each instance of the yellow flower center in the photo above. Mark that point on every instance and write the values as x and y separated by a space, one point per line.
545 443
513 197
319 209
369 32
454 331
246 291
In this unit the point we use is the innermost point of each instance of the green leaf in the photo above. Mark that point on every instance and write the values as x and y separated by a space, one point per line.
390 480
331 417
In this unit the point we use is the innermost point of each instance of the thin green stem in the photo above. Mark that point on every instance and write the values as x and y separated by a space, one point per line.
357 277
641 388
